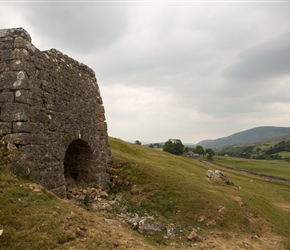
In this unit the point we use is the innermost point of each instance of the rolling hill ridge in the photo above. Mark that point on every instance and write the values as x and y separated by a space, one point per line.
258 134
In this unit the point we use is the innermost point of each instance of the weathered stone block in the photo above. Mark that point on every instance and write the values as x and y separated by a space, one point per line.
38 139
33 150
28 67
5 46
13 80
53 126
5 128
22 96
6 55
60 191
3 66
44 75
20 54
8 44
103 181
7 79
16 65
36 115
47 86
101 169
28 127
19 138
6 97
13 112
19 42
36 100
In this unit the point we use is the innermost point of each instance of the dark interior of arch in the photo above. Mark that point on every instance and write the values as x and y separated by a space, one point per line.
78 162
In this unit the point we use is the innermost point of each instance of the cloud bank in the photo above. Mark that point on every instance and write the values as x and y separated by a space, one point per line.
189 70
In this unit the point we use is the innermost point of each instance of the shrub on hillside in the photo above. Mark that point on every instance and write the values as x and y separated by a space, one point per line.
173 146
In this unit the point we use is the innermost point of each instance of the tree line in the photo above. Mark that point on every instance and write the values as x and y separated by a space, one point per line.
175 146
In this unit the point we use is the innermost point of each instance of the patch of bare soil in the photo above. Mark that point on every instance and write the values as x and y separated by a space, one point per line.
215 240
234 241
283 206
238 200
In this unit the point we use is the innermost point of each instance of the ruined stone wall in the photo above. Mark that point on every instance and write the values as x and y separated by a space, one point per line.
51 109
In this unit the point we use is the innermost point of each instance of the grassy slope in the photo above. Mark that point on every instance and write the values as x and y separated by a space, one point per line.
176 187
33 218
172 188
269 167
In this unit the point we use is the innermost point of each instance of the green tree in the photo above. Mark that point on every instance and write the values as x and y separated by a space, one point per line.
209 157
209 151
138 142
173 146
199 150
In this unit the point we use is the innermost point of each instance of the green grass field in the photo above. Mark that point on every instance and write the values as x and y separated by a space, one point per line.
285 154
270 167
176 188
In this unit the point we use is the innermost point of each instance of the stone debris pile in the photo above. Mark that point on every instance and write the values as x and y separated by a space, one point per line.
218 175
99 200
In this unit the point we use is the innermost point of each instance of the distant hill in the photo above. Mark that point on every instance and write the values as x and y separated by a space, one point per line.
259 134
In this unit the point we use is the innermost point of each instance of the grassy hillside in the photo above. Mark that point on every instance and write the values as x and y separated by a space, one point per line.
33 218
176 189
172 189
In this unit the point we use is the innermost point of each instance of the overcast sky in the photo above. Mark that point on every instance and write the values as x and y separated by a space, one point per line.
184 70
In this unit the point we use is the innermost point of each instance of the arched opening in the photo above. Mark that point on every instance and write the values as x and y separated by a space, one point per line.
78 163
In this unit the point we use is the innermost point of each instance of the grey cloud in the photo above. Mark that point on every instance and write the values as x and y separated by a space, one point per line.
211 67
262 61
77 26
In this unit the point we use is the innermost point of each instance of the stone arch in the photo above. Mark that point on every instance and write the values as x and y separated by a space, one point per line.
78 163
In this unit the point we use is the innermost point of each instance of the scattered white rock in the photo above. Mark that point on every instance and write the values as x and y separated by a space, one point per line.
114 223
220 175
34 187
103 194
255 236
192 236
245 244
